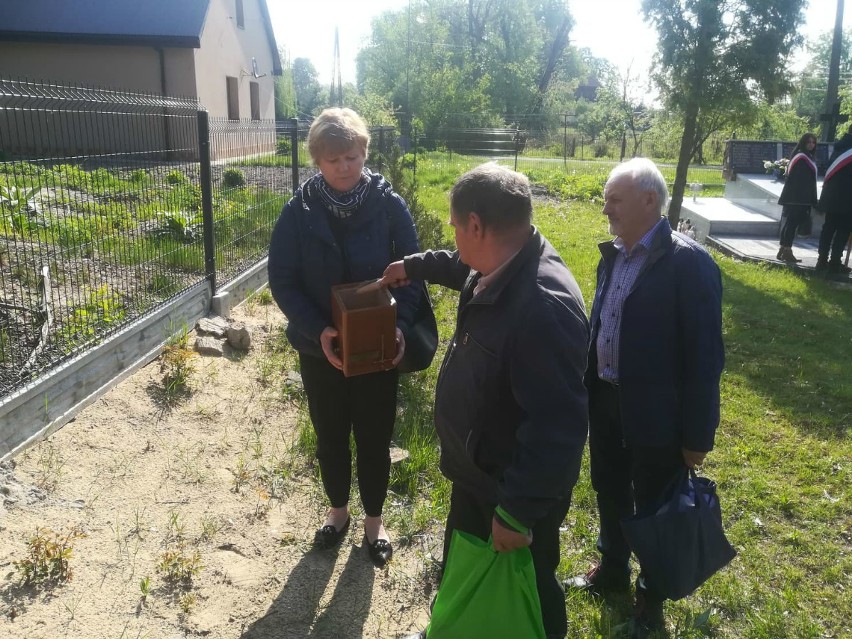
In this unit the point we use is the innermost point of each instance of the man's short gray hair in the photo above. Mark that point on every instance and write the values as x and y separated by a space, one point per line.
646 176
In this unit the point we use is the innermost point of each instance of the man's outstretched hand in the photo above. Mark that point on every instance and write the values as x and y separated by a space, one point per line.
395 276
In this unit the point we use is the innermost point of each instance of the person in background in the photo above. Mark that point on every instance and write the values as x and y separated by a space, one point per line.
345 224
655 360
798 195
510 406
836 201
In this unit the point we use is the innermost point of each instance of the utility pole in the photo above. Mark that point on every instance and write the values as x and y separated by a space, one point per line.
831 107
335 93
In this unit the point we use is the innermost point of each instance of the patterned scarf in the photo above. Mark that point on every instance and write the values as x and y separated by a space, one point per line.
343 205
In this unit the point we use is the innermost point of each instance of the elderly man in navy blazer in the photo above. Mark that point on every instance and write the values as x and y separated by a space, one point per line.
655 360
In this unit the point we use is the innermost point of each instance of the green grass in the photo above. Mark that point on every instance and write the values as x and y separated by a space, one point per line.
782 457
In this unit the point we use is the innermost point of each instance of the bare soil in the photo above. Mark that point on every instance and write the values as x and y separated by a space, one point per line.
217 473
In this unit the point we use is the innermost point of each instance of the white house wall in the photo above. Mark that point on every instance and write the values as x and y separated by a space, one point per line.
227 50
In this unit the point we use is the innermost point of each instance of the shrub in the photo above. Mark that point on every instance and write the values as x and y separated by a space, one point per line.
430 228
139 176
233 178
178 565
102 310
48 556
175 177
177 366
179 225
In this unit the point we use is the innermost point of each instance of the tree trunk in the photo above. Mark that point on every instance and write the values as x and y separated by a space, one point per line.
554 54
686 147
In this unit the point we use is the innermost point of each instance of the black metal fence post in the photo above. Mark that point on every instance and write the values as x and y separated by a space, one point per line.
294 153
381 148
414 168
207 199
517 146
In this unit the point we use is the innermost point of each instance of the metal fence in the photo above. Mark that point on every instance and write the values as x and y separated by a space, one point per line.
110 204
554 151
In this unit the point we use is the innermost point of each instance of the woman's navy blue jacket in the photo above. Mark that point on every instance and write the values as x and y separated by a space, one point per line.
305 260
671 353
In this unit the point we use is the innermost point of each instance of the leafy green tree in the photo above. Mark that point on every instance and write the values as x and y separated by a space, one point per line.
285 94
714 59
811 85
463 62
309 93
374 108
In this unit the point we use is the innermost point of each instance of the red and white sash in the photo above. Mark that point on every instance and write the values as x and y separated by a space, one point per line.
844 159
801 157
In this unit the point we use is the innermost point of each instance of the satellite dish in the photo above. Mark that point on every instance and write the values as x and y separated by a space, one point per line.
254 69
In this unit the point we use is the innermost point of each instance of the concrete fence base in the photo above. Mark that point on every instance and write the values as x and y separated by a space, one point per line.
52 400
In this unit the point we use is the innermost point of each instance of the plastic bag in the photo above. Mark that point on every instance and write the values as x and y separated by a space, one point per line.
485 594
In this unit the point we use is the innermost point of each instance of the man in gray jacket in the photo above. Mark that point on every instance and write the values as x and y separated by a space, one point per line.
510 405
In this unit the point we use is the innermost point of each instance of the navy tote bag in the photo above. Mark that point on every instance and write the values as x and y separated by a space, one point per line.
682 544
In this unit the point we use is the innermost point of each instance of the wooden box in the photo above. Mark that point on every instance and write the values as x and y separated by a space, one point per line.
366 323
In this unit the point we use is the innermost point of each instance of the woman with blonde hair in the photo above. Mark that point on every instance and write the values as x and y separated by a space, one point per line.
344 224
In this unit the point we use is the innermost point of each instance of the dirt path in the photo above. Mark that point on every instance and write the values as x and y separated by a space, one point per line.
216 473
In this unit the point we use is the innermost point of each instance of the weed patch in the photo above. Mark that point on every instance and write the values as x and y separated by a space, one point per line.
48 559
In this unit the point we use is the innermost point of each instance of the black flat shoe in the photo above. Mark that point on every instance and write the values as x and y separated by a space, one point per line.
328 536
380 551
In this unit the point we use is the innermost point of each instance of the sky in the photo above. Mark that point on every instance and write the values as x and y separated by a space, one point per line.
611 29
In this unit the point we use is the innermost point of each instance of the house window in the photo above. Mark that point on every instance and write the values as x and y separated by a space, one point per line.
241 18
254 88
233 98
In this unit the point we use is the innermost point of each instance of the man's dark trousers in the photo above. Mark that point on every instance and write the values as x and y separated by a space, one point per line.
471 515
622 476
834 235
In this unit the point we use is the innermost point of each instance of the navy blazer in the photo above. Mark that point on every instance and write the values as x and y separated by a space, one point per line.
671 352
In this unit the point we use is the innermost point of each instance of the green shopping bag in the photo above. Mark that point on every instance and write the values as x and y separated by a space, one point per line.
486 594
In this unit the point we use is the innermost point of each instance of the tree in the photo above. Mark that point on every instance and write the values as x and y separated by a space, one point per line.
285 94
307 87
812 84
715 58
465 62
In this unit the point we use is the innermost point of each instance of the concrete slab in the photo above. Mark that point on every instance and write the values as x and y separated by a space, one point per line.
714 216
760 193
768 185
761 249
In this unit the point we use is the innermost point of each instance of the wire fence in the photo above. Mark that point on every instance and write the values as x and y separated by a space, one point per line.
111 203
553 151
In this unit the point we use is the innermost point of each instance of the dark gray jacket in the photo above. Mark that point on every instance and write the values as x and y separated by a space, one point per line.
510 405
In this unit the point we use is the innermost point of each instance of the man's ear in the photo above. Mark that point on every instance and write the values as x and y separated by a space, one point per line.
474 225
651 200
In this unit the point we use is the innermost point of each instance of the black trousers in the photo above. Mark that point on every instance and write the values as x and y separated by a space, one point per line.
794 215
364 405
834 235
472 515
627 479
